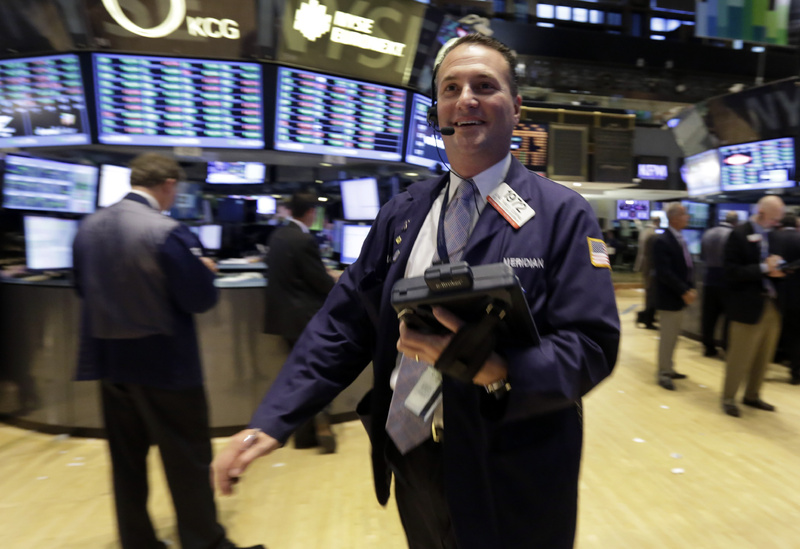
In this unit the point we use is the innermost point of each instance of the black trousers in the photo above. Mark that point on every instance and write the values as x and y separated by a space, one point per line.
419 492
137 417
712 308
790 339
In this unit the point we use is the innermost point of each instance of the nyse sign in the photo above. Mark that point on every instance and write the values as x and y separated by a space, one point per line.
195 27
372 39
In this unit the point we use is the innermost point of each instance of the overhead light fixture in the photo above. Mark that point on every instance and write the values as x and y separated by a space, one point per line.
318 181
325 164
577 184
412 174
323 199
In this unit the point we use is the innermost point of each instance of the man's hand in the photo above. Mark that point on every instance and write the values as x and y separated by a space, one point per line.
244 447
773 266
210 264
428 347
689 296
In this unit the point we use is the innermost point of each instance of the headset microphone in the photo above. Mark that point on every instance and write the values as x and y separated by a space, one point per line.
432 118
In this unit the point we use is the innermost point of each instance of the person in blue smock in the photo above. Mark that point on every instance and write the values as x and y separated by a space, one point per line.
500 480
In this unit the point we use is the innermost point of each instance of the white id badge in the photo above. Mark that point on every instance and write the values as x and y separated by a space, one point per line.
426 395
509 204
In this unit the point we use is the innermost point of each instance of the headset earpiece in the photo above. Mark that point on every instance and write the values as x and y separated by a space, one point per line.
432 116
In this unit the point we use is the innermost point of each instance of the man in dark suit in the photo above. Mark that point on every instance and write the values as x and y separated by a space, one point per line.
644 261
141 276
498 466
297 286
752 270
786 243
674 286
712 251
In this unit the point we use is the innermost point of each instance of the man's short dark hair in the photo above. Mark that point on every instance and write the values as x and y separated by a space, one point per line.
152 169
491 43
301 203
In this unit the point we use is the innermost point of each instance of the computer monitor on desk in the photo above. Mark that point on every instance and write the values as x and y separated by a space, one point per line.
48 242
210 237
352 241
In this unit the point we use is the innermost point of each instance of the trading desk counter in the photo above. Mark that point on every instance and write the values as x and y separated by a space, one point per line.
39 346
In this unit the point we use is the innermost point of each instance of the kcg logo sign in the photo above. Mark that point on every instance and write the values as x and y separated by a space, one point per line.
203 27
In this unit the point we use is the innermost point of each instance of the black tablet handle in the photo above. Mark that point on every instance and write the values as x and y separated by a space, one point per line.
472 344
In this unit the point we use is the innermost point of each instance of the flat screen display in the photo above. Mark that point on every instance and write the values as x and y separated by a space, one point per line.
266 205
230 209
236 173
758 165
178 102
210 236
42 102
698 214
652 168
701 173
743 211
48 242
360 198
49 185
187 201
115 183
353 237
693 238
633 209
421 149
529 145
321 114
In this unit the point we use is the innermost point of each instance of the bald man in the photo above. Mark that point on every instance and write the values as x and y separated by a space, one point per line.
752 272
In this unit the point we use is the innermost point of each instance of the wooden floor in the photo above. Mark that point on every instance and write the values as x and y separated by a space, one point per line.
661 470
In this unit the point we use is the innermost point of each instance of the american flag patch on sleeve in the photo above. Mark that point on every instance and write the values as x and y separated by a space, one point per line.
598 253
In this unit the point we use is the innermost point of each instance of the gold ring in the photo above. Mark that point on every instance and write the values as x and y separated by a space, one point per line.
416 357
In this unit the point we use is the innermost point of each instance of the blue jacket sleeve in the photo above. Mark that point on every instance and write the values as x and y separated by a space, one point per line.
190 282
578 322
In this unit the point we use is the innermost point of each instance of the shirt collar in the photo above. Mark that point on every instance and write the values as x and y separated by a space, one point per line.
299 224
676 232
486 181
150 199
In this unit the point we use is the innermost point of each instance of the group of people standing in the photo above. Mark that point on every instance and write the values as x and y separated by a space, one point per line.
749 280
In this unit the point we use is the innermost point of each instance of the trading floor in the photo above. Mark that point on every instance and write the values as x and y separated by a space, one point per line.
661 470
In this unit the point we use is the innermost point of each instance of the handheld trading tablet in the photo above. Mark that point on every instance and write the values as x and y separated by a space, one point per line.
471 293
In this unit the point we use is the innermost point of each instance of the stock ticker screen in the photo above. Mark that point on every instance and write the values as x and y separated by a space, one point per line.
177 102
423 141
42 102
323 114
49 185
529 145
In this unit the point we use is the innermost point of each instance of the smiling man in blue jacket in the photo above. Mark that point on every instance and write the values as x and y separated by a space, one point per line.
507 480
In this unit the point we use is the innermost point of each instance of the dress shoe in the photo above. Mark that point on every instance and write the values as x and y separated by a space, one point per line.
666 383
325 437
731 410
711 352
758 403
676 375
651 327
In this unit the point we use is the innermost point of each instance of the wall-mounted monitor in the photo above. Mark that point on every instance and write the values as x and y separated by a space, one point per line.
48 185
115 183
701 173
266 205
236 173
161 101
48 242
210 236
699 214
187 201
423 141
322 114
230 209
652 168
360 198
633 209
758 165
353 237
529 145
42 102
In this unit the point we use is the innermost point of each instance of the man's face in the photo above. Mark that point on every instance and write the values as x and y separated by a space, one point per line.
474 97
681 219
